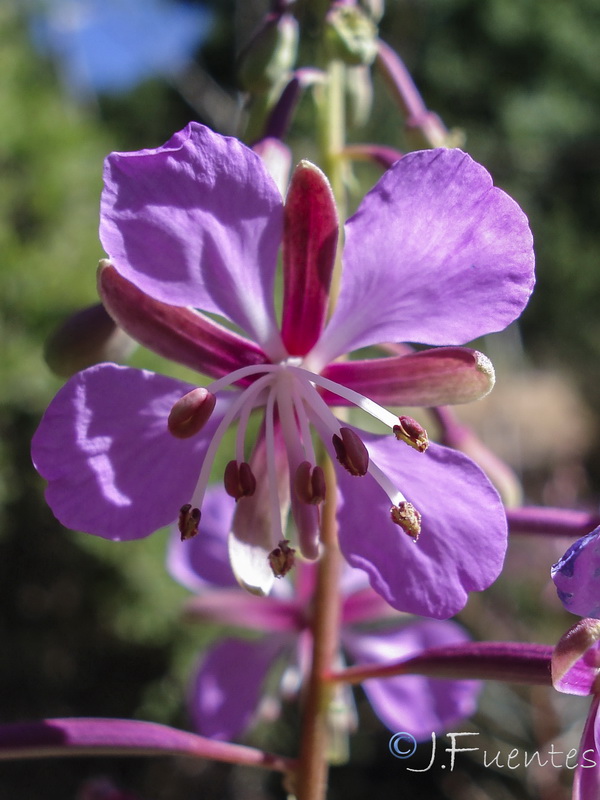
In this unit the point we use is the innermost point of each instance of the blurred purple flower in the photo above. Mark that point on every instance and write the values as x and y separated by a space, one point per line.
577 576
586 781
434 254
103 789
112 45
576 670
230 681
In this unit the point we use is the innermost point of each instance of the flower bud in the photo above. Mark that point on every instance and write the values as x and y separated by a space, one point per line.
191 413
576 659
270 55
85 338
359 95
351 35
374 8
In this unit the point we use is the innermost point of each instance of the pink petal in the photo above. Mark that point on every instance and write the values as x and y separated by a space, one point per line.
197 222
92 736
309 246
440 376
178 334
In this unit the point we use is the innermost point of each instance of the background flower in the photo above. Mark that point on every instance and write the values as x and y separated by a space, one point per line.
232 676
577 576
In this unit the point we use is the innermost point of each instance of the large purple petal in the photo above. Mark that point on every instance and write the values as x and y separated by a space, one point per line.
197 222
463 539
112 467
577 576
586 782
227 688
434 254
413 703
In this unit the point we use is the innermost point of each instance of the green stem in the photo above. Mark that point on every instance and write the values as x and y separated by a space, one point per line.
333 141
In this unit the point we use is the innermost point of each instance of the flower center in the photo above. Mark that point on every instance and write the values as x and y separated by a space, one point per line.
293 408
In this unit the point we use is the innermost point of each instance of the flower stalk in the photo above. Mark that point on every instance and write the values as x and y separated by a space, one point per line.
101 737
551 521
312 770
325 623
513 662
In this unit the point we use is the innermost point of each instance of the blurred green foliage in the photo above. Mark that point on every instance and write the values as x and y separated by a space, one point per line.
90 626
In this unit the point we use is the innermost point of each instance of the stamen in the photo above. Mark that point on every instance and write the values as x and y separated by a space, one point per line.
247 397
288 419
411 432
272 476
238 374
189 519
282 558
191 413
302 416
309 483
324 421
239 480
395 495
351 452
408 518
242 429
357 399
306 516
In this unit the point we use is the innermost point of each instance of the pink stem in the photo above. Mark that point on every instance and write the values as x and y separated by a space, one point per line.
97 737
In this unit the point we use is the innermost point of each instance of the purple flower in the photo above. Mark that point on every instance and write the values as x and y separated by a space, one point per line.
576 670
227 689
586 781
577 576
434 254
